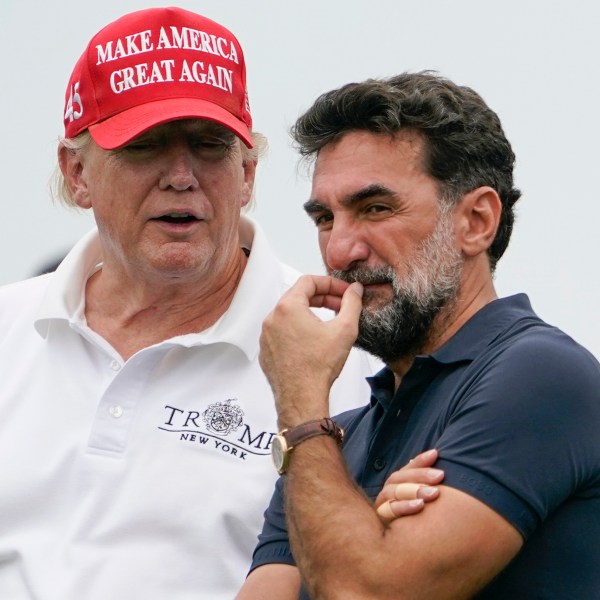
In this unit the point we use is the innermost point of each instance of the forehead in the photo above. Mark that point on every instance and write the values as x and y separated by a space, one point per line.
360 158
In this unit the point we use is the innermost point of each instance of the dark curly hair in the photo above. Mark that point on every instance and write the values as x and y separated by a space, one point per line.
465 146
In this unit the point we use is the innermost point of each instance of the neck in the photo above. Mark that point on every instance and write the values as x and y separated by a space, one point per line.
134 315
451 318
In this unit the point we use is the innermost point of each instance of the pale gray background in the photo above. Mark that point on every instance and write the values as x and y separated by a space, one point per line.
535 62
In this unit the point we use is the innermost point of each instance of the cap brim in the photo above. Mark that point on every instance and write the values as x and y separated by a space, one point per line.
120 129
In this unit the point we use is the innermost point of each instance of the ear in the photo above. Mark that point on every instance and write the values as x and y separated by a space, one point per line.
249 167
478 216
71 166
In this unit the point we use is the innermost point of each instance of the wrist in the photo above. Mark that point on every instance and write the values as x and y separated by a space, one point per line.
294 410
287 439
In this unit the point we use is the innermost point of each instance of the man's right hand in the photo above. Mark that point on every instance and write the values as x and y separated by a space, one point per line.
407 490
302 355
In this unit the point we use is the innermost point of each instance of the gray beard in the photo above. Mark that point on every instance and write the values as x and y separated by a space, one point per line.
404 325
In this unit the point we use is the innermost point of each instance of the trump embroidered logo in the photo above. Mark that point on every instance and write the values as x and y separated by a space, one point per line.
223 417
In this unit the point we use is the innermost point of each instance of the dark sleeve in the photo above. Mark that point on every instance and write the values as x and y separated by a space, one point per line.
525 435
273 543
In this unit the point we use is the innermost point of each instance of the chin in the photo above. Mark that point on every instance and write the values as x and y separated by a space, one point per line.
179 266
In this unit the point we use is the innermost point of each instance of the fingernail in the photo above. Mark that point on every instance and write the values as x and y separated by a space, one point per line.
429 453
416 502
434 473
427 491
358 288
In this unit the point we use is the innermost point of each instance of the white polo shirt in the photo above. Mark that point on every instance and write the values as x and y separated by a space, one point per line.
145 479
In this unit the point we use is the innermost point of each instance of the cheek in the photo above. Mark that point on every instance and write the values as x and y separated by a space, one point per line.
323 238
222 182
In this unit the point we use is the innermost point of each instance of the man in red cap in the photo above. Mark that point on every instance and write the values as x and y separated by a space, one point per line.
136 421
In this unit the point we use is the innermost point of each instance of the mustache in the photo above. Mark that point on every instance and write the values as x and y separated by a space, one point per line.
366 275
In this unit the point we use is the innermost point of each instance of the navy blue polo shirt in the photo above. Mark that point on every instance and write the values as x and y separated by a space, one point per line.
513 406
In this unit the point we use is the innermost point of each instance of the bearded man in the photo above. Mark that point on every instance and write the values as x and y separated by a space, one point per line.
413 200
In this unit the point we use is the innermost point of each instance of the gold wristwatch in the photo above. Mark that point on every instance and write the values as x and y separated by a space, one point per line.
285 441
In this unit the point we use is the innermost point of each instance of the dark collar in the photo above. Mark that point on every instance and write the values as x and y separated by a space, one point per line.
465 345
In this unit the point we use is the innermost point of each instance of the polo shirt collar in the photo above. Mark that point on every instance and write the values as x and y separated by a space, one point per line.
64 298
483 328
465 345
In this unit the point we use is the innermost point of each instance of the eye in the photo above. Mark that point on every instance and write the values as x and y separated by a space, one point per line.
212 147
322 220
139 146
212 143
376 208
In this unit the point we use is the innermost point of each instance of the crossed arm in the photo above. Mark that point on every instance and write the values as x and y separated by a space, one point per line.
405 493
342 548
345 550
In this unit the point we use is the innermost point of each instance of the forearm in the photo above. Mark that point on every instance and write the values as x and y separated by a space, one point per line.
328 520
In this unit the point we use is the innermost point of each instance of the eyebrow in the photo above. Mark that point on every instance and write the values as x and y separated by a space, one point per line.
370 191
188 127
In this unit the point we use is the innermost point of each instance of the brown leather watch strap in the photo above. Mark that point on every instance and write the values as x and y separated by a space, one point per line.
300 433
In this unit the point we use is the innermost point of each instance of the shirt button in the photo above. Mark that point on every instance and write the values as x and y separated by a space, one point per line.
114 365
115 411
379 464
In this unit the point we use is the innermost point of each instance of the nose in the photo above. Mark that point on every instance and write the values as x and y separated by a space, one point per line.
179 169
343 246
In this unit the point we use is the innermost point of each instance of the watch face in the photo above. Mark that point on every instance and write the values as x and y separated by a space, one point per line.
279 453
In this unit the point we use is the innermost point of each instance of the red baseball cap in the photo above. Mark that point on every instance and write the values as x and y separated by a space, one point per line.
154 66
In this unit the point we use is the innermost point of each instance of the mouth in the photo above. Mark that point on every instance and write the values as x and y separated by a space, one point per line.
374 285
373 282
177 218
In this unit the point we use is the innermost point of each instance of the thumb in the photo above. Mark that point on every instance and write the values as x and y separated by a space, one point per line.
357 289
351 306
